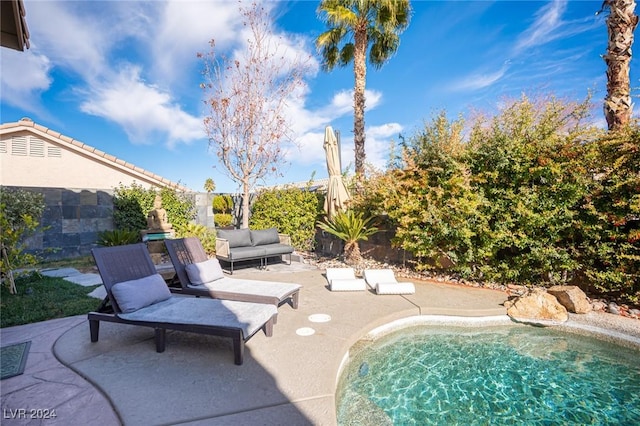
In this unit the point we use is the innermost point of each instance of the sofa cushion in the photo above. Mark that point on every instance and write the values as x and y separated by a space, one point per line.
137 294
245 253
200 273
236 237
277 249
265 236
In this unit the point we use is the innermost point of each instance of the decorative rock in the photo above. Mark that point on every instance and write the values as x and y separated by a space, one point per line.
634 313
571 297
613 308
537 307
598 305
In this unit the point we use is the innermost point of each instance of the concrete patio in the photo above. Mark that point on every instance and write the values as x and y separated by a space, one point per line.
289 378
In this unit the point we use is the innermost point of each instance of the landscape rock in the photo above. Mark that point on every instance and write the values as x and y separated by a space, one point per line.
613 308
538 307
572 298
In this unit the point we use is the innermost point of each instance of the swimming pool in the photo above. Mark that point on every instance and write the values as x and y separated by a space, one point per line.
490 375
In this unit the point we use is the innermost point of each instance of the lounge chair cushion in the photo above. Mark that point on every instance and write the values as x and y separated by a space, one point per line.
236 237
265 236
355 284
207 312
142 292
200 273
395 288
344 279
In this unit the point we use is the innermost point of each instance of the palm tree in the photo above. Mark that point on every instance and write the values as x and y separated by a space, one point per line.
350 227
621 23
354 26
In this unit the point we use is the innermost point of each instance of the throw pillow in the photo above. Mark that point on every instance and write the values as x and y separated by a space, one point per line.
200 273
137 294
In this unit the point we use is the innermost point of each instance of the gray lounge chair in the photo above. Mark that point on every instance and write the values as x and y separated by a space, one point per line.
137 295
186 251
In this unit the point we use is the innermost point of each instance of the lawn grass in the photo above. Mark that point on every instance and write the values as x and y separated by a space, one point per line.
43 298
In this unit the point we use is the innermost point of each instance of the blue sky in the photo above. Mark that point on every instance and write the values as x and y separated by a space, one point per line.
123 76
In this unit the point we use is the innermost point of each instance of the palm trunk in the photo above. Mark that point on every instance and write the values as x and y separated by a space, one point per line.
621 23
360 73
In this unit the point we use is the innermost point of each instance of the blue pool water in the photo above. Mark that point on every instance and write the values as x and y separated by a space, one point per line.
494 375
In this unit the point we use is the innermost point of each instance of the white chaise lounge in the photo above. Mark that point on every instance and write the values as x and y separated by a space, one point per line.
383 281
344 279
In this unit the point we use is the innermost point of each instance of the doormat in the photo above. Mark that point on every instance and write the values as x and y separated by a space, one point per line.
14 358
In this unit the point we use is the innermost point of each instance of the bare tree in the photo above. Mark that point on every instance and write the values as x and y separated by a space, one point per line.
247 101
621 23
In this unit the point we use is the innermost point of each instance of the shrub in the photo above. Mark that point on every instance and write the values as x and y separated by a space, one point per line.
206 236
609 247
20 213
118 237
351 227
292 211
222 204
222 219
429 198
132 204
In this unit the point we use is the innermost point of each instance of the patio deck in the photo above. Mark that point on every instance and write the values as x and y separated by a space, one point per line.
286 379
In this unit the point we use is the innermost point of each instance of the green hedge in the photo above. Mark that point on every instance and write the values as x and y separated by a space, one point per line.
531 195
292 211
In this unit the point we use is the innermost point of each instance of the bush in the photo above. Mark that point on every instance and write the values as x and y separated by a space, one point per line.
430 199
222 204
132 204
222 219
351 227
609 244
118 237
528 163
292 211
206 236
20 213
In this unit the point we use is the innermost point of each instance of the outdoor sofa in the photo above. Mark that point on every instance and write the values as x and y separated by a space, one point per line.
197 275
138 295
234 245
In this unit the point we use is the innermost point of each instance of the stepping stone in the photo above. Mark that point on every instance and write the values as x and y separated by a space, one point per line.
98 293
60 272
85 280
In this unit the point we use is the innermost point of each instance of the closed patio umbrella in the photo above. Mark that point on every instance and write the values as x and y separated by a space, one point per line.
337 194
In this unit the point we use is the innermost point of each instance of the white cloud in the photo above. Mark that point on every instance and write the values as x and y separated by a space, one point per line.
378 143
548 20
185 28
24 76
142 110
480 80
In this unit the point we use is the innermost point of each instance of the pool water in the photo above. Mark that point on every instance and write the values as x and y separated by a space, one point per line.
492 375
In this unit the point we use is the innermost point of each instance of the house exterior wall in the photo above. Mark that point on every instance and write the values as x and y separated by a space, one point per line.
29 160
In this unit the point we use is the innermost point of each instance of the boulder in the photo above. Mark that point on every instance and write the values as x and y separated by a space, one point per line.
572 298
537 307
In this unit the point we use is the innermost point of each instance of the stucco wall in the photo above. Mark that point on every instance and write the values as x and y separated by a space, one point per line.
29 160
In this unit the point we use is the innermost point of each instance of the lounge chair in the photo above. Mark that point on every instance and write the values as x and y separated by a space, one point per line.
200 276
344 279
383 281
138 295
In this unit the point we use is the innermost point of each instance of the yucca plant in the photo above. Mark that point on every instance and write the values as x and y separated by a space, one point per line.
118 237
351 227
